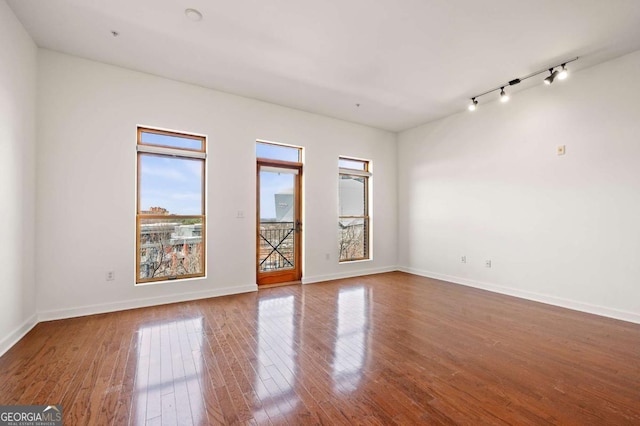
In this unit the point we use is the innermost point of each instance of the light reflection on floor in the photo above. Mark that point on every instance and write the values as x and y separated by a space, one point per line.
277 363
170 367
170 362
350 344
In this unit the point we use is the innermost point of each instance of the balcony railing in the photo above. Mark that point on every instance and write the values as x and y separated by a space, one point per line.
277 246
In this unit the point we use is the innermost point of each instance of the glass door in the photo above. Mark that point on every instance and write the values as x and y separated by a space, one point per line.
279 228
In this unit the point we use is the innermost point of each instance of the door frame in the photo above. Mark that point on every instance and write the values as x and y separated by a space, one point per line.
286 275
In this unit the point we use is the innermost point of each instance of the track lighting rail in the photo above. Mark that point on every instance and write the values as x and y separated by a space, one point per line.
553 74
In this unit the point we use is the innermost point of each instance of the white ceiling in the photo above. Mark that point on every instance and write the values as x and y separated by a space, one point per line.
406 62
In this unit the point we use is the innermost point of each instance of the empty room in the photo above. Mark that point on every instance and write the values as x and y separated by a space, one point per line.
367 212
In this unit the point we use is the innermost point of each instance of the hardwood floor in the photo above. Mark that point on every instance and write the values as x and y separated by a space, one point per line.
382 349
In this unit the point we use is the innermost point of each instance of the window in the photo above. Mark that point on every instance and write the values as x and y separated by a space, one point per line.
353 220
170 219
272 151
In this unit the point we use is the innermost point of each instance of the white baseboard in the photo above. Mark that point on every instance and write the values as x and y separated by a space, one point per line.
142 303
12 338
350 274
536 297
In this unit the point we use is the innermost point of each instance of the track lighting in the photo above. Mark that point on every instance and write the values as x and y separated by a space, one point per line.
554 74
564 73
503 95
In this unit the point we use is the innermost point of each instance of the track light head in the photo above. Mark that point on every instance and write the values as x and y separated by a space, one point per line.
473 104
553 74
564 73
503 95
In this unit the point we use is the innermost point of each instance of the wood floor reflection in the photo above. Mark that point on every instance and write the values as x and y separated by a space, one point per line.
383 349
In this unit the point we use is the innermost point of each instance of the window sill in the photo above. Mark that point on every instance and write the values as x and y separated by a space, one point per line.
177 280
346 262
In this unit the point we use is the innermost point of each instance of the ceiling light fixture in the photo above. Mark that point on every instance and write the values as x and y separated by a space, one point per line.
193 15
552 76
564 72
504 97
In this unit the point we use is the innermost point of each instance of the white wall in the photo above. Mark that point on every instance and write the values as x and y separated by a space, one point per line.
88 113
489 185
17 178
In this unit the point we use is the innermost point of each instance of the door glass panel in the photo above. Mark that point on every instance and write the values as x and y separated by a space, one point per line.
277 219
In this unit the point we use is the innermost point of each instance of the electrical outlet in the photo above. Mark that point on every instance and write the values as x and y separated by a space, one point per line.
463 259
327 256
487 263
561 150
240 214
110 275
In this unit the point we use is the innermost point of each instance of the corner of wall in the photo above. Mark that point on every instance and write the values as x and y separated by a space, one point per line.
18 68
18 333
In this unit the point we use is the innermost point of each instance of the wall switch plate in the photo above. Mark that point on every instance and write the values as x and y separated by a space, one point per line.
463 259
561 150
110 275
487 263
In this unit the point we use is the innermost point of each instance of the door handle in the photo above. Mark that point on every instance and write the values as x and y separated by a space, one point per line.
298 226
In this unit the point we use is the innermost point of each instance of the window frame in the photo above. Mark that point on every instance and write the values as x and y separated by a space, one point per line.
145 148
365 173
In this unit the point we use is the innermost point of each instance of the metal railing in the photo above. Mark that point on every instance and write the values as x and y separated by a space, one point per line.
277 246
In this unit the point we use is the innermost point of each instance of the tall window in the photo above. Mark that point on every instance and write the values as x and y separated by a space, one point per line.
170 219
353 223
